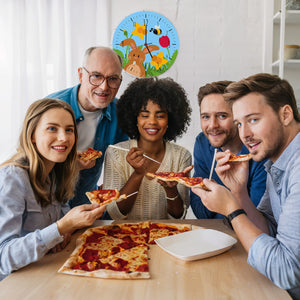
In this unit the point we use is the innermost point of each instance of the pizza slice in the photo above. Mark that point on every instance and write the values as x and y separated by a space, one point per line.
193 182
90 154
159 230
167 176
98 255
132 232
103 197
241 157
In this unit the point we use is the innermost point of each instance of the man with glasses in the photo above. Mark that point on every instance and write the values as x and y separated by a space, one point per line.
94 104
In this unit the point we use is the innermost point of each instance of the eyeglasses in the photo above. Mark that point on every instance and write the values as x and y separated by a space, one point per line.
97 79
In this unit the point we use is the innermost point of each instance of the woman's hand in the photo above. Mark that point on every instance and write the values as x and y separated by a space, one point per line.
79 217
62 245
136 159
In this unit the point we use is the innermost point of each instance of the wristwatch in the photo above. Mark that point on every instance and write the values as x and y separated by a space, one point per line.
231 216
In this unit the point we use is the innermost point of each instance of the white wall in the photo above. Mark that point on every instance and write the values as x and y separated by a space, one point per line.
219 39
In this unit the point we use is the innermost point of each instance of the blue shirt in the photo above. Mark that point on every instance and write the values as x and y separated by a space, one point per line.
277 256
28 231
203 157
107 133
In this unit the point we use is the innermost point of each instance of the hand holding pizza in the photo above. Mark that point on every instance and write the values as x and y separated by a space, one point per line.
233 175
79 217
87 158
136 159
218 199
84 164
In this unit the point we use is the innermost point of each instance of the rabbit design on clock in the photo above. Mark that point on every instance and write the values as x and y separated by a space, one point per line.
136 57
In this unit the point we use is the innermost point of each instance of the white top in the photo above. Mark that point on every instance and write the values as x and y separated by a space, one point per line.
87 128
151 200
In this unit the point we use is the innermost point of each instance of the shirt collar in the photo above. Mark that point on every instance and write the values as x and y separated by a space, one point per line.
286 155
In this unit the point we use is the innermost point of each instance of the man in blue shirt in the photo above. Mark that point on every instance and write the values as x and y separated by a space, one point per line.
94 104
219 132
265 110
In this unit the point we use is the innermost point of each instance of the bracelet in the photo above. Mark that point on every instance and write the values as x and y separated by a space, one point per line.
235 213
172 199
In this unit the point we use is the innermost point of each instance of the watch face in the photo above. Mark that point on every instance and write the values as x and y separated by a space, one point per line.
147 42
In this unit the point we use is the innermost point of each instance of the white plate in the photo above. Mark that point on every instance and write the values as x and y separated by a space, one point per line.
196 244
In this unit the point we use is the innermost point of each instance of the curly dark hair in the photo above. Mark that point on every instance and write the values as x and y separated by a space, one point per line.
168 94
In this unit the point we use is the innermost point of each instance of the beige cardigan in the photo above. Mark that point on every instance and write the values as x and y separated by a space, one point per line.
151 200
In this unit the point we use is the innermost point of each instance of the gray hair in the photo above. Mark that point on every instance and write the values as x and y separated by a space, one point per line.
88 52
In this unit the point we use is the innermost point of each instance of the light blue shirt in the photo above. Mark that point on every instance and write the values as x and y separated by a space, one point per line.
277 255
28 231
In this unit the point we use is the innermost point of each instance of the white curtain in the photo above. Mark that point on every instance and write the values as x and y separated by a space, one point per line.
41 46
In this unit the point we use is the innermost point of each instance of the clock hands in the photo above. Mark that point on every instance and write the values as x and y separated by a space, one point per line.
146 45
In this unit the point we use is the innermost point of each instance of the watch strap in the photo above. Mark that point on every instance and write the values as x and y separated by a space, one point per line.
235 213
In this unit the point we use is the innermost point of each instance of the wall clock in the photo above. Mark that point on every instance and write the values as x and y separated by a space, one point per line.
147 42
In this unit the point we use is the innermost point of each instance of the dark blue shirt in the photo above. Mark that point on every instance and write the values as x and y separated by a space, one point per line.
107 133
203 157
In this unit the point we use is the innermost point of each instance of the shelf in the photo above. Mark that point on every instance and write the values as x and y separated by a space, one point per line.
292 17
286 62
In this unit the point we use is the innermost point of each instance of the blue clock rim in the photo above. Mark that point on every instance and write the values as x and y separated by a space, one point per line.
150 14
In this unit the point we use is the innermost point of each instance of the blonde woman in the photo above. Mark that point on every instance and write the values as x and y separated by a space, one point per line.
35 185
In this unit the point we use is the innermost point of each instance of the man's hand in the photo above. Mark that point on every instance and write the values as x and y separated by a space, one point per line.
218 199
233 174
82 164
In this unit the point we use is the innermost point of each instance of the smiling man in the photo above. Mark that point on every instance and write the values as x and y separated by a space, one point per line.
219 132
94 104
265 111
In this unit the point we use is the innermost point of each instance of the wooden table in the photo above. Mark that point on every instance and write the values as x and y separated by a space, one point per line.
225 276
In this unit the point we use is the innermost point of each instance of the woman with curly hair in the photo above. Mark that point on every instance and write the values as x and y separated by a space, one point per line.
35 185
152 112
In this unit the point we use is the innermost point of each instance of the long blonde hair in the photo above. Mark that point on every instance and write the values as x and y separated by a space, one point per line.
64 175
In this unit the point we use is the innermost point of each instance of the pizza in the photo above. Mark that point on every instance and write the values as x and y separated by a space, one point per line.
167 176
117 250
181 177
193 182
159 230
90 154
241 157
103 197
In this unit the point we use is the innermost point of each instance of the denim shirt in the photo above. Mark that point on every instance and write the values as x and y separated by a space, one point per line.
107 133
203 157
28 231
277 255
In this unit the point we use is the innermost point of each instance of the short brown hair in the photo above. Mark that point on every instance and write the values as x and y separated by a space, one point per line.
276 91
217 87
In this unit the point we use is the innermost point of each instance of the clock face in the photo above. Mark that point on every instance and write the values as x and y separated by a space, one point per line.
147 42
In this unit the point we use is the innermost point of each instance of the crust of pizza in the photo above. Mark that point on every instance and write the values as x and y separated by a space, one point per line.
187 182
94 199
159 230
136 255
172 175
238 158
90 154
117 250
